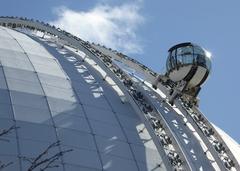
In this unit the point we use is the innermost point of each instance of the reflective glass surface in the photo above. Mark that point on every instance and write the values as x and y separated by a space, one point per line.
188 55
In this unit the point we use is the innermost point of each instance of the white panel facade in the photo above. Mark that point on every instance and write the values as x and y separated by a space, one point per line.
47 94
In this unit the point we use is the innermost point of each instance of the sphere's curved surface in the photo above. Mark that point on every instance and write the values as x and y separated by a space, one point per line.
189 62
49 95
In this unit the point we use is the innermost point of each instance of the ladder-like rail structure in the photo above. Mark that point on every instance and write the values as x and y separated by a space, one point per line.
167 144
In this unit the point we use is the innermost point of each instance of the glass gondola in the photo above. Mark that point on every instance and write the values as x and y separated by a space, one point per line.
189 62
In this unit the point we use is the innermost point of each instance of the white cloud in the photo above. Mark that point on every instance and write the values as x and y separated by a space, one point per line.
113 27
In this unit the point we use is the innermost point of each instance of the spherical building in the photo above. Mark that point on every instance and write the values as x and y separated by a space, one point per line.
50 95
68 105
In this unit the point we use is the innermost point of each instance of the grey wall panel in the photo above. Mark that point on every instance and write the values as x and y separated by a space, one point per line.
82 157
28 131
54 81
3 33
16 63
24 86
107 130
78 168
9 158
6 124
34 115
40 61
21 37
111 146
32 149
12 55
4 96
110 93
9 44
60 106
8 146
101 115
26 165
112 163
76 139
20 74
76 76
85 82
55 71
43 60
72 122
34 49
123 108
146 155
29 100
27 44
130 123
59 93
6 111
155 167
94 100
3 84
138 138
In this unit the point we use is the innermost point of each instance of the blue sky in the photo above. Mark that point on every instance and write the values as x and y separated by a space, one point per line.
146 29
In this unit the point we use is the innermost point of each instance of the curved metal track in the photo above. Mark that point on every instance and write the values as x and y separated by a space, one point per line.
131 91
